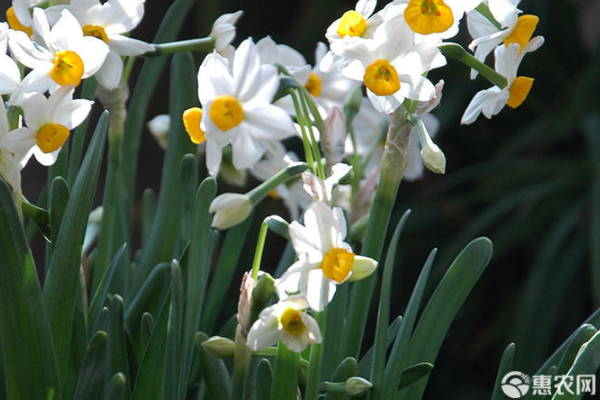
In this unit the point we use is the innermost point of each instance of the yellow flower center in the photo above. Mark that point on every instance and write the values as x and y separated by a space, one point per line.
226 112
96 31
68 68
428 16
292 321
15 24
273 194
337 264
51 137
314 84
381 78
352 24
519 91
191 122
523 31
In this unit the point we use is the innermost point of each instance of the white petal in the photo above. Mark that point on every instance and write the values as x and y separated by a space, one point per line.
20 142
10 76
223 29
246 70
213 157
93 52
269 123
366 7
261 91
214 78
246 150
491 100
26 52
10 170
109 75
120 16
35 110
264 332
320 290
45 159
312 328
306 243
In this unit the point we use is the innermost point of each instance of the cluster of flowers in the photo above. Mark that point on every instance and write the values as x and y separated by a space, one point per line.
259 94
58 47
390 52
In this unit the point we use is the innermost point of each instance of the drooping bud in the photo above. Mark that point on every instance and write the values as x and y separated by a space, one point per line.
219 347
230 209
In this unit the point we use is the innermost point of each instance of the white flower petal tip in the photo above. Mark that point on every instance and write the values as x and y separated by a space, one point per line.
362 268
159 128
434 159
230 209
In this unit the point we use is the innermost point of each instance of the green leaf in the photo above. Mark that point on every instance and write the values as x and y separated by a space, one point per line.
413 373
99 297
393 369
197 275
383 315
117 387
214 372
151 370
364 365
145 85
224 273
443 306
173 372
189 184
146 329
285 376
263 380
148 211
59 198
27 348
505 367
345 370
38 216
117 346
586 363
91 379
62 281
565 354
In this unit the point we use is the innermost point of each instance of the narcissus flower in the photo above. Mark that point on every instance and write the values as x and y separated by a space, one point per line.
514 28
223 31
159 128
491 101
325 260
48 124
10 169
19 15
60 56
428 17
9 71
392 66
286 321
110 22
237 107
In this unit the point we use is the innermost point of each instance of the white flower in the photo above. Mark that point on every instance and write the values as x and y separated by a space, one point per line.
285 321
325 260
514 28
159 128
223 31
10 75
392 66
48 122
110 22
491 101
60 56
273 53
237 107
19 15
230 209
292 193
436 19
10 169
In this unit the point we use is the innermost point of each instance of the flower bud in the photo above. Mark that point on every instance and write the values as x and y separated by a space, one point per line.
434 158
357 386
261 295
219 347
159 128
230 209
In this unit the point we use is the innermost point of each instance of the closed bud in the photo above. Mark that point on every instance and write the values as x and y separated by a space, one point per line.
219 347
357 386
230 209
434 158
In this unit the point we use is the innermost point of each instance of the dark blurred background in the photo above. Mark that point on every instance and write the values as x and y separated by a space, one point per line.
528 179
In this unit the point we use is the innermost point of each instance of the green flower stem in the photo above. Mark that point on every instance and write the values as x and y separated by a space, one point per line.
203 44
484 10
308 149
286 374
115 102
313 107
88 92
315 365
456 51
290 173
240 365
313 141
260 245
393 164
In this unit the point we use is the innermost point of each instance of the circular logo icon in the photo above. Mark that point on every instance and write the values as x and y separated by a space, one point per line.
515 384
